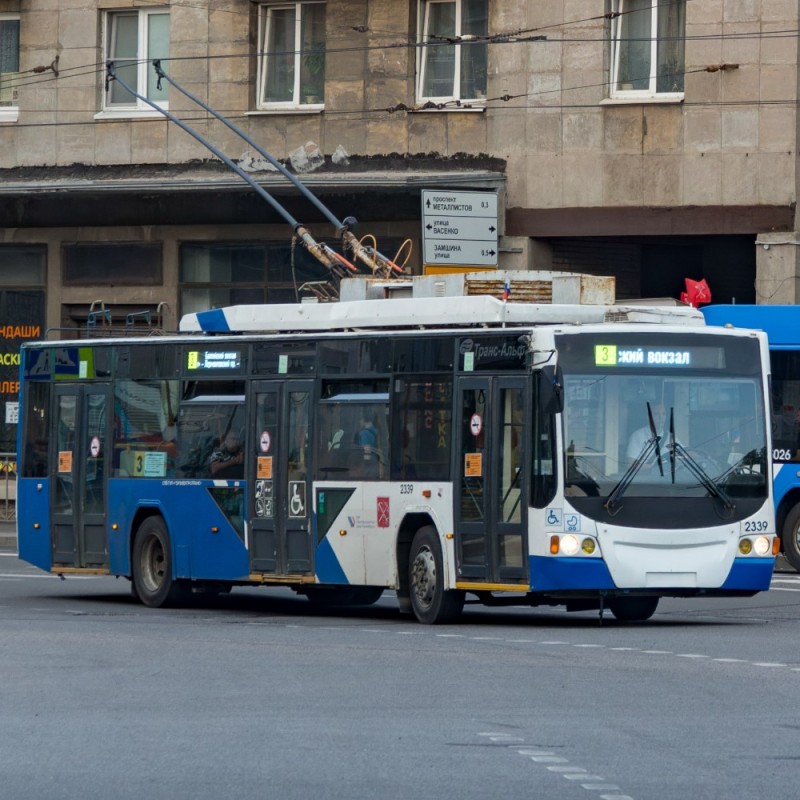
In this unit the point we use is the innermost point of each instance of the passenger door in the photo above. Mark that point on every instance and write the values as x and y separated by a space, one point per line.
78 445
491 496
280 474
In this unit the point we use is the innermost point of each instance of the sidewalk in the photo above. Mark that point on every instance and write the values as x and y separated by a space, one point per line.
8 533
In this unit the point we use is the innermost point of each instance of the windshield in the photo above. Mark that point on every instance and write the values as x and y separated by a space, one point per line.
663 417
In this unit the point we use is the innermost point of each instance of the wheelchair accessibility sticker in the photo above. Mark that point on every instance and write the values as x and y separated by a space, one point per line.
556 519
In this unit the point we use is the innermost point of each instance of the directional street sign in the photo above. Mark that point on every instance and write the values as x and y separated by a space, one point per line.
459 228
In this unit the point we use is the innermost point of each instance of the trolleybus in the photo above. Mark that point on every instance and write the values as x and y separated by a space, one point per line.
782 326
446 449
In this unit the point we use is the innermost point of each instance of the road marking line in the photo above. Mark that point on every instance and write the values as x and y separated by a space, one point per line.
563 770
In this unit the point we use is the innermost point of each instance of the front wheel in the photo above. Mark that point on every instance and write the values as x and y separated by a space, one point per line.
790 534
431 603
633 609
153 583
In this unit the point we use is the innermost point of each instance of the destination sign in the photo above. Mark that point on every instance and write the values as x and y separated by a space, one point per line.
612 355
213 359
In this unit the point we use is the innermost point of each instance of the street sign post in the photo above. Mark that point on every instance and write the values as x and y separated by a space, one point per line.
459 228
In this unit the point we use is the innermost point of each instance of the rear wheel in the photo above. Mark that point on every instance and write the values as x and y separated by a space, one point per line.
633 609
431 603
791 537
152 565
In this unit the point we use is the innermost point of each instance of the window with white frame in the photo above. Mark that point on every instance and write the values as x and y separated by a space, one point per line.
449 69
133 39
647 48
291 67
9 60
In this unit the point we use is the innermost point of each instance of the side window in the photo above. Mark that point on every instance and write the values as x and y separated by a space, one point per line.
785 405
543 466
35 455
211 440
423 430
353 435
145 433
291 69
452 71
647 48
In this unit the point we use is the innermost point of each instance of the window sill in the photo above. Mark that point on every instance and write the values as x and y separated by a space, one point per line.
309 108
129 113
469 106
9 114
634 99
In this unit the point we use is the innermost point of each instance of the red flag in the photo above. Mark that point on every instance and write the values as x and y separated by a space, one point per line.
697 293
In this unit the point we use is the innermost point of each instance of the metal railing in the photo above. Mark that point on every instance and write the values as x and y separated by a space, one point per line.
8 486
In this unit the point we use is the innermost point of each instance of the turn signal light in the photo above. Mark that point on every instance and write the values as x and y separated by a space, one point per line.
776 545
554 545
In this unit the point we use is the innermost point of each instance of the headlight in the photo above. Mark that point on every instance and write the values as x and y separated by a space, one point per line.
588 545
570 545
761 546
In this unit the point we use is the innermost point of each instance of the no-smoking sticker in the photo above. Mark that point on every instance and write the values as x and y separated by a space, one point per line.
94 447
475 424
265 442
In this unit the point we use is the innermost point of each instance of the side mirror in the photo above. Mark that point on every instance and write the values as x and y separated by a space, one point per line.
551 389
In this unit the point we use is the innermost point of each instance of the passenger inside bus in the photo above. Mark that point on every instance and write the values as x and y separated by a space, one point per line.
227 460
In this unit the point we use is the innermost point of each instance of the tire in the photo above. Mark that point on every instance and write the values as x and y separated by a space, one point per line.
633 609
322 597
152 566
431 603
790 536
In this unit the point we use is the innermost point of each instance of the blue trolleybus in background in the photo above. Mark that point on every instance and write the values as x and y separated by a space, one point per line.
593 457
782 326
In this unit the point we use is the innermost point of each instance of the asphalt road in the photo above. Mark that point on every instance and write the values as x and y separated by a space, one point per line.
256 695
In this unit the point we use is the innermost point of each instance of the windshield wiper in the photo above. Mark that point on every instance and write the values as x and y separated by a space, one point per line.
676 449
652 445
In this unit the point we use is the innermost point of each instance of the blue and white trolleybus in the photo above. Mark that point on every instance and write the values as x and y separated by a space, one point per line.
447 449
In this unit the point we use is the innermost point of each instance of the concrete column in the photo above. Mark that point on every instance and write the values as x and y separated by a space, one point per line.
778 268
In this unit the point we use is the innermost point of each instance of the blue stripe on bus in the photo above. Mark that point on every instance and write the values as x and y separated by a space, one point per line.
327 566
555 574
213 321
784 481
750 574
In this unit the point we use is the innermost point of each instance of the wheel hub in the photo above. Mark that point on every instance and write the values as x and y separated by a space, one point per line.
423 577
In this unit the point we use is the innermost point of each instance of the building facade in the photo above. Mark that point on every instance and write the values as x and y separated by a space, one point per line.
647 140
